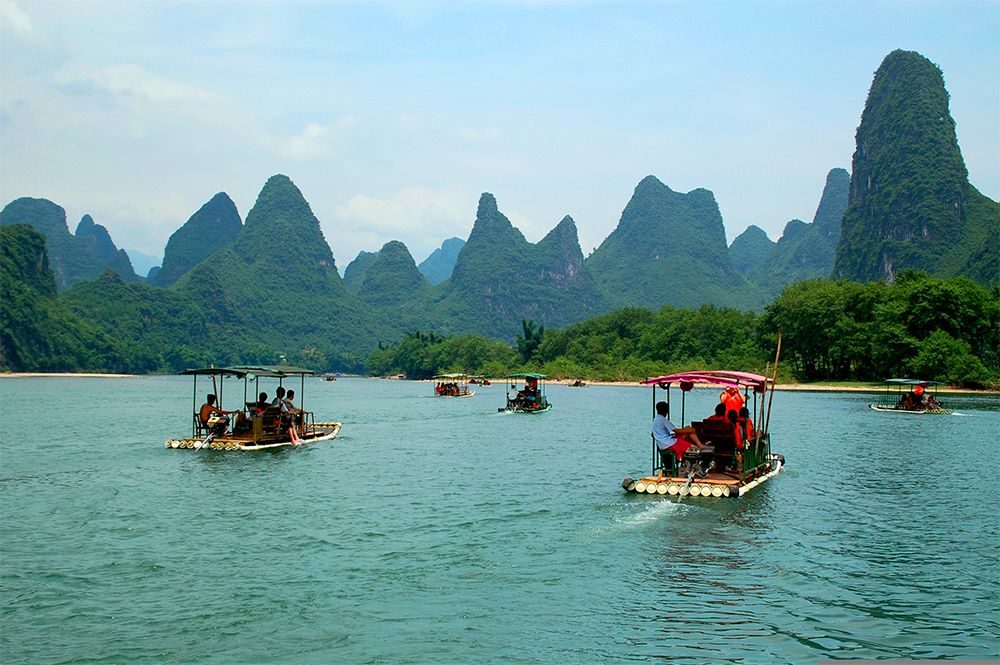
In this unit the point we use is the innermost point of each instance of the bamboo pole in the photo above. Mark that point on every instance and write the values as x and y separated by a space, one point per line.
774 376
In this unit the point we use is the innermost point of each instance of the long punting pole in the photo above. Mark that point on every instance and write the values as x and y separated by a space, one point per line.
194 406
651 437
774 376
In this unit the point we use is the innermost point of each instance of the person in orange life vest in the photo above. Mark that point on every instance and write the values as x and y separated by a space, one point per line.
746 424
732 398
720 412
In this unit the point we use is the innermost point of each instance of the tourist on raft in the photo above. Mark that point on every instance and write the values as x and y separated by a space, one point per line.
208 409
286 419
720 413
670 440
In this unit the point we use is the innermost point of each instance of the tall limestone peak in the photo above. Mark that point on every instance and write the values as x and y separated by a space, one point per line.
215 225
750 249
354 273
501 278
832 204
392 278
439 265
910 203
102 239
281 231
669 248
72 258
804 251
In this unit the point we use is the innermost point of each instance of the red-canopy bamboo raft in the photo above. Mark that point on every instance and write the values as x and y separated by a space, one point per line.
735 462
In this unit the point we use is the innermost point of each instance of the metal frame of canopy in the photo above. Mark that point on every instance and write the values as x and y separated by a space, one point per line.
889 400
746 380
280 372
539 381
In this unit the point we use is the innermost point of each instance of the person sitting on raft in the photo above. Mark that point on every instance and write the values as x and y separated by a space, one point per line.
287 422
746 424
208 409
670 440
720 413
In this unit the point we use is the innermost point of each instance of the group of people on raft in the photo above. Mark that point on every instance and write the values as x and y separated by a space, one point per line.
918 400
672 442
216 420
527 398
448 390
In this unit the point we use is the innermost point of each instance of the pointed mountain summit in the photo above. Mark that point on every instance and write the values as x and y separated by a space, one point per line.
281 231
439 265
804 251
911 204
669 248
73 258
354 273
501 278
392 278
751 248
215 225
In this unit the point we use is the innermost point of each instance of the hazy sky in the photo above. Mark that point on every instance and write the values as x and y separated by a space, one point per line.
392 117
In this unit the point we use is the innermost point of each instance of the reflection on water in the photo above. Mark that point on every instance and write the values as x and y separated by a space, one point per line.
438 530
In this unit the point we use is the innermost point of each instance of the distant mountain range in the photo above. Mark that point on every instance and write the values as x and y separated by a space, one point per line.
230 291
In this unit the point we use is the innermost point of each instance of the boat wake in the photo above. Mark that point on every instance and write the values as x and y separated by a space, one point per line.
650 512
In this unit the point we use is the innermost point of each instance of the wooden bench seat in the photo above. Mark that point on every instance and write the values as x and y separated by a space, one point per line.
723 438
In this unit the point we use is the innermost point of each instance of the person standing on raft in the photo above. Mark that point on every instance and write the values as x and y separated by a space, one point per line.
671 441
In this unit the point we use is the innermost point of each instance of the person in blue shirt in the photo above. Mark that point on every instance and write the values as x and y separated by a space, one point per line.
671 441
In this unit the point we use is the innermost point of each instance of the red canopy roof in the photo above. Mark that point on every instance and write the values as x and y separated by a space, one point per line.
716 377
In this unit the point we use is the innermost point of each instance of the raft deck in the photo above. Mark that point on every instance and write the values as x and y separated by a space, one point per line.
320 432
714 484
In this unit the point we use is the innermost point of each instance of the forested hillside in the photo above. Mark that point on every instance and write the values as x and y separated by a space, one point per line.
911 203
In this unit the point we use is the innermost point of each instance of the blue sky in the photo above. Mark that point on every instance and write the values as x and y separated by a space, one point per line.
392 117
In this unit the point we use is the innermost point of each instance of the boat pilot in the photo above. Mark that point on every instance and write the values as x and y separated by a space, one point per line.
208 409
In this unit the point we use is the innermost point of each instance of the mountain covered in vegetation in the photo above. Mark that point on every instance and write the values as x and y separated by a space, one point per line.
354 273
439 265
750 249
911 204
804 251
500 278
392 280
72 257
37 329
669 248
214 226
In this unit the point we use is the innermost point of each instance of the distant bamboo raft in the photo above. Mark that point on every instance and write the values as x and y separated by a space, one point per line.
706 487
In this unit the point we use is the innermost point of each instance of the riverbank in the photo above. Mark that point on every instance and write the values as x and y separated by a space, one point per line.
73 375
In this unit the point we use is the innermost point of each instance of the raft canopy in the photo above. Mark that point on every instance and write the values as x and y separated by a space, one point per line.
526 375
715 377
457 375
914 382
275 371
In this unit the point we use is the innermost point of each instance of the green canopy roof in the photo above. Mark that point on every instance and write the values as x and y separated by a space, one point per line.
275 371
526 375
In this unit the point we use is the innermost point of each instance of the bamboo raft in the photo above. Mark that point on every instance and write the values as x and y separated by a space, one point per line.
317 432
714 485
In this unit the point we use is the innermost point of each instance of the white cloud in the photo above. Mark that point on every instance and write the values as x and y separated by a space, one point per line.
469 134
310 142
132 81
11 14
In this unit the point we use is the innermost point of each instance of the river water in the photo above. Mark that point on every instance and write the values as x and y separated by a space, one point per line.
439 531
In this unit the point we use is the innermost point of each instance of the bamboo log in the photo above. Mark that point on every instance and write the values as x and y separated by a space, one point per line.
661 488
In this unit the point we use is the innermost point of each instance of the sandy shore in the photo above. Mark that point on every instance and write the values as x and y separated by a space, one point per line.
74 375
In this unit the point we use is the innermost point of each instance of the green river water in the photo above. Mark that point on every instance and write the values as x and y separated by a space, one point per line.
440 531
